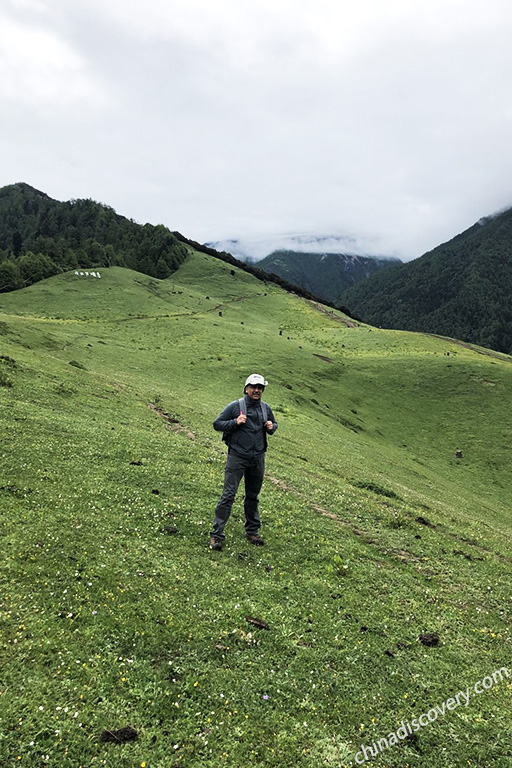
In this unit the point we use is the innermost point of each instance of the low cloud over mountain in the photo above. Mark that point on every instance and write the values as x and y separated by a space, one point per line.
257 248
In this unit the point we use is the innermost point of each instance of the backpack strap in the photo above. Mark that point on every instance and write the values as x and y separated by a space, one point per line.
264 408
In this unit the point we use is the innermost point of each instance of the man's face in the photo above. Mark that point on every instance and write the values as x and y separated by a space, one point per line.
254 391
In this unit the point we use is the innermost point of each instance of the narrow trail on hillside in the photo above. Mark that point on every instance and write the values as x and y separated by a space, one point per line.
405 556
233 301
284 486
347 322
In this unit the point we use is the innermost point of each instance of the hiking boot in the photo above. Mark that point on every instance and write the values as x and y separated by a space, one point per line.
254 538
215 544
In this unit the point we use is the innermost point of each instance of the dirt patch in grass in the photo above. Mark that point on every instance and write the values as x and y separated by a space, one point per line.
281 484
374 488
423 521
121 736
170 422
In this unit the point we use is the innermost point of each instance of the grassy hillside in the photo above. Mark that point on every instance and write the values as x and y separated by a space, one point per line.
114 613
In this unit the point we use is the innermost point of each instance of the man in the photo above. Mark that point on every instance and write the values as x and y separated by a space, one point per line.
245 424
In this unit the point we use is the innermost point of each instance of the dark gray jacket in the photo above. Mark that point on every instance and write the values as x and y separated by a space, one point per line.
250 439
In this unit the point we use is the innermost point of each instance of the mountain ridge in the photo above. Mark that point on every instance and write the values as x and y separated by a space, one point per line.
461 288
326 275
40 237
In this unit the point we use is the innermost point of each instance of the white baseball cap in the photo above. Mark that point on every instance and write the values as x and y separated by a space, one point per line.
255 378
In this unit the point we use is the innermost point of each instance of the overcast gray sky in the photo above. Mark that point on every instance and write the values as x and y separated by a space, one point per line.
389 122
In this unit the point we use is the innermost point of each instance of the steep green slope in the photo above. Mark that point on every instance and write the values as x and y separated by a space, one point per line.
326 275
461 289
115 613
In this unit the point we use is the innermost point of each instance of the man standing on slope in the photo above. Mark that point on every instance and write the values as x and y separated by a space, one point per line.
245 424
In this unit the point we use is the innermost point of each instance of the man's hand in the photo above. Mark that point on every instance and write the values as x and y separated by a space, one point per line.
241 419
269 425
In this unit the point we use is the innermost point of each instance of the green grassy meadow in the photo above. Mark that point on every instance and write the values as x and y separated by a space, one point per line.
114 612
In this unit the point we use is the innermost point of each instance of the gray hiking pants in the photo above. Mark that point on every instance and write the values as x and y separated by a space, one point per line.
252 470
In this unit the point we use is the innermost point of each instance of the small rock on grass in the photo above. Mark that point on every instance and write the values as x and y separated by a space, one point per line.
430 639
257 622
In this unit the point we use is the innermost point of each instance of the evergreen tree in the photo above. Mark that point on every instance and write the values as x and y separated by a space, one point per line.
162 269
34 267
10 277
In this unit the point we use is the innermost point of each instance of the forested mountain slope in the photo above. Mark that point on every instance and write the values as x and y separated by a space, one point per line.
460 289
326 275
40 237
